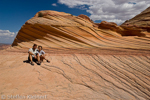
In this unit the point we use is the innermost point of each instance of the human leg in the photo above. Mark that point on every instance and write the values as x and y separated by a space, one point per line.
30 59
43 57
38 59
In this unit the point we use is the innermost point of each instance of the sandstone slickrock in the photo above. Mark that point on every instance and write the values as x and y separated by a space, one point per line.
89 61
141 20
77 76
123 30
53 29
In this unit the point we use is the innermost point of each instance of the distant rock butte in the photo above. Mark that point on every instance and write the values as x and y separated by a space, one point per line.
4 46
53 29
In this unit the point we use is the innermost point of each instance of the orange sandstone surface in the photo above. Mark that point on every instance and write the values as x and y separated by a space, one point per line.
53 29
88 61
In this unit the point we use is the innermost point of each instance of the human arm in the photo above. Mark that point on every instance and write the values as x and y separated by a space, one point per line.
31 52
43 53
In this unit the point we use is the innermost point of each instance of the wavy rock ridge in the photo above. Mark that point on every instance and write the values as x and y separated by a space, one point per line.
141 20
53 29
89 61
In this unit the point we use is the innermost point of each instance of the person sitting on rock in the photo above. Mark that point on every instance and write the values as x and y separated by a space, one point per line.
33 55
42 54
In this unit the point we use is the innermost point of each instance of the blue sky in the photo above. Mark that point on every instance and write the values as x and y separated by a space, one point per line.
14 13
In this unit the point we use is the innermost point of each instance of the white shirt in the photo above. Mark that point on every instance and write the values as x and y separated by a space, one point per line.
41 52
33 51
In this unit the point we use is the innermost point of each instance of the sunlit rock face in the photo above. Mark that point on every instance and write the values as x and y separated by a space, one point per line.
87 76
53 29
88 61
141 20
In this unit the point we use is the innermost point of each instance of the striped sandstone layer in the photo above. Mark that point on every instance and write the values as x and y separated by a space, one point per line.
53 29
141 20
88 61
74 75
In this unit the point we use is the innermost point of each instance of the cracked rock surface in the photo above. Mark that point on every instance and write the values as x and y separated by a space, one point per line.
78 76
88 61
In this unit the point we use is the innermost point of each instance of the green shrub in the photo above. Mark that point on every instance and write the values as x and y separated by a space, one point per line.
40 15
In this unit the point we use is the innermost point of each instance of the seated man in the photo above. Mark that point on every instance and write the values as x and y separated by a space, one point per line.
33 55
42 54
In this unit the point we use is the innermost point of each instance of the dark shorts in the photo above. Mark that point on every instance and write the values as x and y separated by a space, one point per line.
33 59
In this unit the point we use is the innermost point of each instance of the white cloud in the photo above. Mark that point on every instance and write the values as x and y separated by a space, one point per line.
54 4
109 10
6 36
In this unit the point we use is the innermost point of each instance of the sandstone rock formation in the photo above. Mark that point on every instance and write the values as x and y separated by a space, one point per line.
53 29
123 30
89 61
141 20
95 74
86 18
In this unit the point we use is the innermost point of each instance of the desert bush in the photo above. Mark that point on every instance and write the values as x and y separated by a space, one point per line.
40 15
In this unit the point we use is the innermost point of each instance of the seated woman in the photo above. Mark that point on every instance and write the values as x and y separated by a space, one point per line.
42 54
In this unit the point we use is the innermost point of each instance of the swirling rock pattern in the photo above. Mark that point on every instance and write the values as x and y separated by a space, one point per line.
89 61
53 29
141 20
77 76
